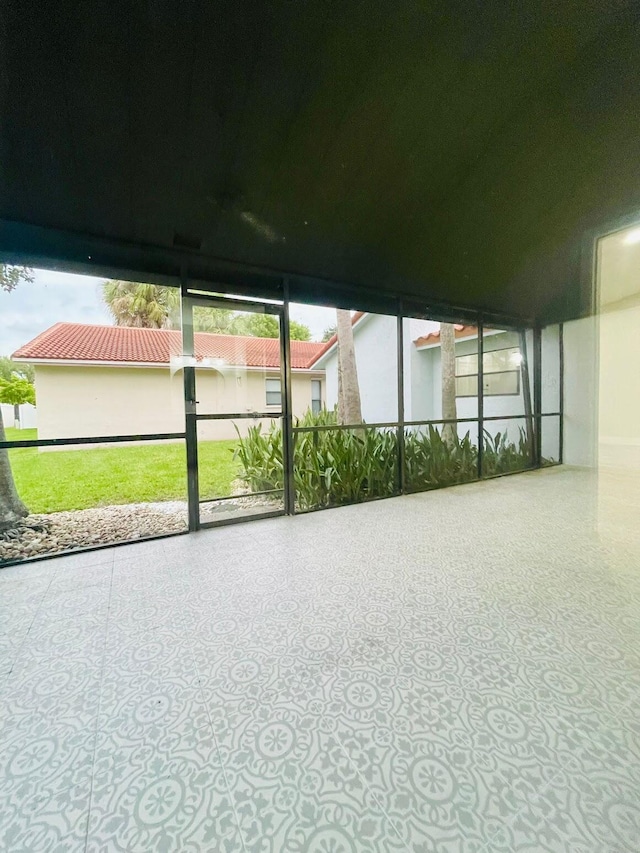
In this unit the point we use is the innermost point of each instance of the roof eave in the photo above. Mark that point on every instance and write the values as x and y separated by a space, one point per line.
320 359
74 362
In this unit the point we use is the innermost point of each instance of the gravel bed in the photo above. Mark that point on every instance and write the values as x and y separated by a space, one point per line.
65 531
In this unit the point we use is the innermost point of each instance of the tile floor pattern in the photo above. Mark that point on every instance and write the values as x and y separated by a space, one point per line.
452 671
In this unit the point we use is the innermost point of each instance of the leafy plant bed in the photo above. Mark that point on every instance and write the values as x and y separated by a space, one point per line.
334 466
430 462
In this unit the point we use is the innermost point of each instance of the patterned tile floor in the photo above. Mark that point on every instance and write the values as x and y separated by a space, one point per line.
453 671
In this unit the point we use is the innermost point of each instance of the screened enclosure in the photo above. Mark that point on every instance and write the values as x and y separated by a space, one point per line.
214 407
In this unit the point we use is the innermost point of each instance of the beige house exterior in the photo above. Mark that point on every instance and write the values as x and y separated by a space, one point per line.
82 397
89 400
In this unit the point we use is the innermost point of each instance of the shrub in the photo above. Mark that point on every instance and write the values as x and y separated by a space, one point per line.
340 466
260 455
331 466
430 462
501 456
337 466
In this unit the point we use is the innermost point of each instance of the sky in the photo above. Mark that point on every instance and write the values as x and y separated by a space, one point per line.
57 296
51 298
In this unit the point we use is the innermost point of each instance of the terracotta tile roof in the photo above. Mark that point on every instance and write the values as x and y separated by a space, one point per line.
80 342
434 337
332 340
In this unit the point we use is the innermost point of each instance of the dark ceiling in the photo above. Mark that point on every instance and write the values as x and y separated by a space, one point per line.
456 151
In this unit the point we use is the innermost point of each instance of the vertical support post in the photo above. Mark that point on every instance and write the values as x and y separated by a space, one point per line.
190 403
400 366
561 393
526 394
287 408
480 396
537 393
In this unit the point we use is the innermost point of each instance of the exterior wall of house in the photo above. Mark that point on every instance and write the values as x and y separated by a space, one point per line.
508 404
375 339
330 364
426 388
416 370
375 342
426 384
93 401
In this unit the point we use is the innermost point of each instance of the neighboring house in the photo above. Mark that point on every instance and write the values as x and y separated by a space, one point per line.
375 340
115 380
374 337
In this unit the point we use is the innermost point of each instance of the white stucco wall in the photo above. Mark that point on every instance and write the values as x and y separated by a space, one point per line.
424 393
330 364
375 341
93 401
426 387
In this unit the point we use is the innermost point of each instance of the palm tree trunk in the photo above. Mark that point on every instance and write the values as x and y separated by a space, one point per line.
448 367
11 507
349 405
341 417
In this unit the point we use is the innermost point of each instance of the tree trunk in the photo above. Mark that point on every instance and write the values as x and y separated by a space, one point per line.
16 416
349 406
448 366
341 419
11 507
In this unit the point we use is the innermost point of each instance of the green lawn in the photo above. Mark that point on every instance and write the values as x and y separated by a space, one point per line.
20 434
55 480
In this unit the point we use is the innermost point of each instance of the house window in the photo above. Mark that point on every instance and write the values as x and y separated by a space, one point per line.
501 373
274 397
316 396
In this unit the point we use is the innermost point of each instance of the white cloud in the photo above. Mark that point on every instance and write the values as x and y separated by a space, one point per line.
53 297
317 319
65 297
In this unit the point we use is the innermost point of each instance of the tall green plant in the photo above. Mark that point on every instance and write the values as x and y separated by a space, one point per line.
336 466
501 456
260 454
332 466
433 460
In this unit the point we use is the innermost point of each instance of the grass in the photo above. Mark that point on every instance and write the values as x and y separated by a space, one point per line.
57 480
20 434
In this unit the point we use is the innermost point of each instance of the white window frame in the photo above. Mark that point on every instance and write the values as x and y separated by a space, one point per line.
316 383
273 381
487 375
